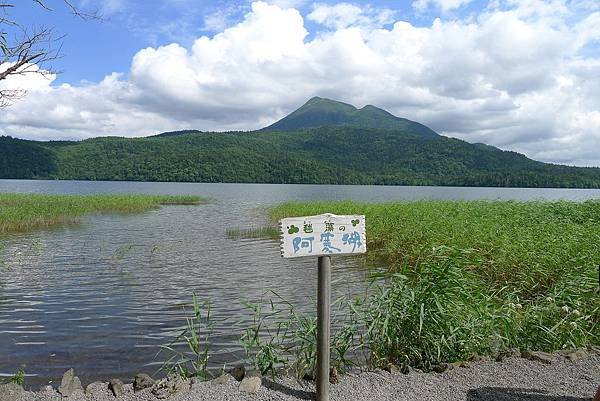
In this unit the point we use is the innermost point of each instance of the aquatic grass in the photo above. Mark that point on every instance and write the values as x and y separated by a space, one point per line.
281 338
474 277
18 378
193 360
23 212
264 340
450 280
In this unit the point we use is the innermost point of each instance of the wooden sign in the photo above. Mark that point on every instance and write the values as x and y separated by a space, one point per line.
322 235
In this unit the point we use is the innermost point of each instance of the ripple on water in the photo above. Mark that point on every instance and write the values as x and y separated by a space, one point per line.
102 296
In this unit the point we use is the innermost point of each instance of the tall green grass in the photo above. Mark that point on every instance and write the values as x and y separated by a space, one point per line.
472 277
22 212
281 338
192 361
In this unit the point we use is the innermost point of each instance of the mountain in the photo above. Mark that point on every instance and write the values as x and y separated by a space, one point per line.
318 112
337 153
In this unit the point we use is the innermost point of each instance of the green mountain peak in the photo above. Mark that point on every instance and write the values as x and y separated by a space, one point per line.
320 112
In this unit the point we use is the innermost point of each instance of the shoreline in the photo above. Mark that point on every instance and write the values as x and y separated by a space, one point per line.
566 376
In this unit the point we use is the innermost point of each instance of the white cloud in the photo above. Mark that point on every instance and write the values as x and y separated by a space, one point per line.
344 15
512 77
444 5
288 3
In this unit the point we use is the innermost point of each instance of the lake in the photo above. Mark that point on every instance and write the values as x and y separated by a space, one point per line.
103 295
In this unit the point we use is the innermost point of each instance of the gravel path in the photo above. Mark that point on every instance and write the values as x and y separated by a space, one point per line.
511 380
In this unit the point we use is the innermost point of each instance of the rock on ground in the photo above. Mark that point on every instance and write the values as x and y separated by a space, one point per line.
251 385
69 384
238 372
537 356
223 379
513 379
116 387
11 391
142 381
169 386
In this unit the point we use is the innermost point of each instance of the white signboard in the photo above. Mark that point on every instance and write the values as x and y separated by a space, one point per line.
326 234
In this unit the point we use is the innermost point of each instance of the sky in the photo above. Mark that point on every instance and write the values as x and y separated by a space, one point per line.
522 75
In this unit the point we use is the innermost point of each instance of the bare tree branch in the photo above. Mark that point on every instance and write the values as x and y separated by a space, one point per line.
8 97
72 8
26 49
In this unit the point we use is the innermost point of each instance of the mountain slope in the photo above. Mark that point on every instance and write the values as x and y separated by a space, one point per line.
25 159
325 155
318 112
323 142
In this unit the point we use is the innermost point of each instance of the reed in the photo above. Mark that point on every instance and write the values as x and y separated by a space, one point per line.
451 280
459 278
24 212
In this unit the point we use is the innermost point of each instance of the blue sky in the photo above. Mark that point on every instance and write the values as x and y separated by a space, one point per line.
93 49
522 75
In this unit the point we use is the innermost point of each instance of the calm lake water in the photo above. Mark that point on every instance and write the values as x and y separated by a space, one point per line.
102 296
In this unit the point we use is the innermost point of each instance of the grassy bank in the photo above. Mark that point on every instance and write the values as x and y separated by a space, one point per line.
467 278
22 212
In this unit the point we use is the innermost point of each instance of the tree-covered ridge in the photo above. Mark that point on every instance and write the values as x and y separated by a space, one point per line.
325 155
318 112
25 159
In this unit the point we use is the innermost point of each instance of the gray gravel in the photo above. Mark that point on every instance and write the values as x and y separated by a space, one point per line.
511 380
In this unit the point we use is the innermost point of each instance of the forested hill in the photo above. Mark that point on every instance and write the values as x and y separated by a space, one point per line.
324 155
319 112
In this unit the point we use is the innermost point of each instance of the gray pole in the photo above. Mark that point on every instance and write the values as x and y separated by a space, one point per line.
323 327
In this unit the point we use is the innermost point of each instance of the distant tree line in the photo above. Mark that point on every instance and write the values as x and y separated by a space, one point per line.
326 155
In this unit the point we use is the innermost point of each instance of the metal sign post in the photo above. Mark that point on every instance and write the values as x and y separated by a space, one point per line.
323 235
323 327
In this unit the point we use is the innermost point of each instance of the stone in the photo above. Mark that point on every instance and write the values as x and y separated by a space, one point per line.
576 355
537 356
161 389
309 377
10 391
391 368
223 379
333 376
253 373
597 396
479 358
69 384
116 386
459 364
48 389
172 384
195 381
178 383
250 385
509 353
441 368
238 372
142 381
96 388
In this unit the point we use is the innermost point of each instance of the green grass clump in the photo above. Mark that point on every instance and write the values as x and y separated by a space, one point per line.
475 277
192 361
22 212
18 378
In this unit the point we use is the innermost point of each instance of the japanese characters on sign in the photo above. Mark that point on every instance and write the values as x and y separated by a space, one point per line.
326 234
